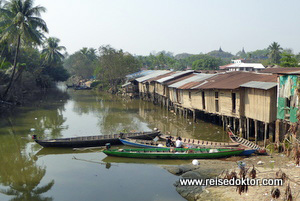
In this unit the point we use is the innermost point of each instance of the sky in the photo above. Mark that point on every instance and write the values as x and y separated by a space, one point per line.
179 26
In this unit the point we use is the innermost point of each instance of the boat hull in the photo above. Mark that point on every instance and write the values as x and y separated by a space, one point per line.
94 141
248 152
180 153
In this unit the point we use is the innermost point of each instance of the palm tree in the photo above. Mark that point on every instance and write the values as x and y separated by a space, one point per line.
51 52
274 52
21 22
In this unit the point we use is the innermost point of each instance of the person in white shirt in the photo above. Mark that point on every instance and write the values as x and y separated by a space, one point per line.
179 143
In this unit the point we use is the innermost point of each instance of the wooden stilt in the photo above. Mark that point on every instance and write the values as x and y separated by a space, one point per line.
234 125
194 115
255 127
277 134
265 138
248 129
223 120
240 127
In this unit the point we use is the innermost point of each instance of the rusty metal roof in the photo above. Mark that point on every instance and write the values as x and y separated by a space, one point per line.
259 85
189 82
233 80
153 74
174 75
280 70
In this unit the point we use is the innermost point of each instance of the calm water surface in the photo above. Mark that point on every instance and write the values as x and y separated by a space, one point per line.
28 172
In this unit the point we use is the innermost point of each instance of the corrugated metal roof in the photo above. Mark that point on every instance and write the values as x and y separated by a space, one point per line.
153 74
177 74
159 77
280 70
259 85
139 74
233 80
170 82
290 73
189 82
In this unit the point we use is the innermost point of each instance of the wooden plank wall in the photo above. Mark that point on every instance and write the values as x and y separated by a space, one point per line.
159 88
260 104
196 101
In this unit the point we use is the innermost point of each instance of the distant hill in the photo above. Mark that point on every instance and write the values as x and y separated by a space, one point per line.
182 56
220 54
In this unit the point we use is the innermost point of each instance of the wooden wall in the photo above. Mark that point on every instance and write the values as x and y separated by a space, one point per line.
159 88
260 104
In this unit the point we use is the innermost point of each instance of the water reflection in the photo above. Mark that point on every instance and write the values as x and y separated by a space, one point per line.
20 176
117 114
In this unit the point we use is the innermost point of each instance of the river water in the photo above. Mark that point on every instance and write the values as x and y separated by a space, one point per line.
28 172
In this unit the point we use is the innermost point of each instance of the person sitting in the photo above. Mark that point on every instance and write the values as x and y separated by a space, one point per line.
169 142
179 143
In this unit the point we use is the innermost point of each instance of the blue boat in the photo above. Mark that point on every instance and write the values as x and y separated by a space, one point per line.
248 152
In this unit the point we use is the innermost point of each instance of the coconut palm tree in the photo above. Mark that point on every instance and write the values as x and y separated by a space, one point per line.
21 23
51 52
274 52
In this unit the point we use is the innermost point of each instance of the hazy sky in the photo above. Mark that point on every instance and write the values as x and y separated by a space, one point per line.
192 26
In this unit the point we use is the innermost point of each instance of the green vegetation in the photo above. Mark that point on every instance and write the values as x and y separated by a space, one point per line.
274 52
288 60
82 63
23 67
114 65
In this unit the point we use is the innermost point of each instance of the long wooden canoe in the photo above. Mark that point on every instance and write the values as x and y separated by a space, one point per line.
245 143
160 144
173 153
202 143
94 141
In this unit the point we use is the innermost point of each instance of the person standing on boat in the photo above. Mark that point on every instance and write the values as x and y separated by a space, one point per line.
179 143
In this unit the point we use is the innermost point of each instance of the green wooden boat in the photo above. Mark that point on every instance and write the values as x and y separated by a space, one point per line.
173 153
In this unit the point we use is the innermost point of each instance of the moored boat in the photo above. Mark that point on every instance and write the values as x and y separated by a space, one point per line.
246 144
160 144
174 153
202 143
93 141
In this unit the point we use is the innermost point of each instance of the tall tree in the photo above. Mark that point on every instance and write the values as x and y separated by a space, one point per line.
114 65
21 23
51 52
274 52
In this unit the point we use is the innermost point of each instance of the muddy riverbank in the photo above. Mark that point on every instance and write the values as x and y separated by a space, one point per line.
266 168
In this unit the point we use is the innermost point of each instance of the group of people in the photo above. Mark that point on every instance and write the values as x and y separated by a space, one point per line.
178 143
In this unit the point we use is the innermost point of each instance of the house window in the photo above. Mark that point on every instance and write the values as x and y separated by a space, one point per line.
190 95
233 98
